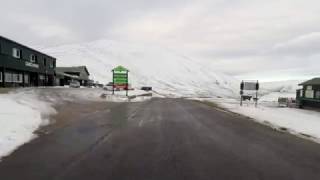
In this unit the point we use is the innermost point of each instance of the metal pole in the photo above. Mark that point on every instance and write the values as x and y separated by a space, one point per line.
241 92
256 98
112 82
257 89
127 83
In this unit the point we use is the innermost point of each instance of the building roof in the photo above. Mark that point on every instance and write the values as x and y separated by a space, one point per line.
314 81
82 70
12 41
61 74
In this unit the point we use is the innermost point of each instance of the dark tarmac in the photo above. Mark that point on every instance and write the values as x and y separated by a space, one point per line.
160 139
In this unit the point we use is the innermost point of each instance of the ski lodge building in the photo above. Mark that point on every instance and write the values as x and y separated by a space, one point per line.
22 66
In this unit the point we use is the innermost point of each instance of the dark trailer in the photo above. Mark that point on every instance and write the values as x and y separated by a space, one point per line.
22 66
309 95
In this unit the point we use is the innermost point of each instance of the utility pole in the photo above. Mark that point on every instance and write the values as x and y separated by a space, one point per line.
257 89
241 93
127 83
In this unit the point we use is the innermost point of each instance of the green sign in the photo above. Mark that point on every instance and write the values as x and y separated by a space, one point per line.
120 76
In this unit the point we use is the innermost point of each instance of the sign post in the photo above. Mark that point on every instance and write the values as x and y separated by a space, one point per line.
249 86
257 89
120 79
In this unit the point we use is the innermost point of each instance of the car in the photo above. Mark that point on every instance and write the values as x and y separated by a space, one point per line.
108 87
146 88
75 84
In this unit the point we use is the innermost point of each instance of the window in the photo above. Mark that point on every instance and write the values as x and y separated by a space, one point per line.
33 58
41 77
17 78
8 77
16 53
13 77
20 78
309 94
0 76
45 62
26 78
52 64
318 94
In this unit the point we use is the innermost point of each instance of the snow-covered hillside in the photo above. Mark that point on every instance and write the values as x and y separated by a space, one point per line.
282 86
166 71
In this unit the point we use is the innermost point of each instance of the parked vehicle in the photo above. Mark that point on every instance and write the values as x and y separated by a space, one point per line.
246 97
286 102
108 87
75 84
146 88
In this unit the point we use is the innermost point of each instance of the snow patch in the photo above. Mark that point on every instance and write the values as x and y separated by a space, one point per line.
300 122
20 116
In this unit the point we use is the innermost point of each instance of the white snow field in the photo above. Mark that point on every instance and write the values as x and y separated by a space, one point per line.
166 71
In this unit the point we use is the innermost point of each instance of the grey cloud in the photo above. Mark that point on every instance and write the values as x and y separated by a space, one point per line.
236 37
304 45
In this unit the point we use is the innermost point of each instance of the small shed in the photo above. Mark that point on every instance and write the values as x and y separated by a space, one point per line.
309 95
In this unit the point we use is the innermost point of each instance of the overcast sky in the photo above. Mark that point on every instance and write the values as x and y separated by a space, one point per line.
265 39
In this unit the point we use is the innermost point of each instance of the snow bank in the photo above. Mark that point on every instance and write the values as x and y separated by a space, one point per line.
20 116
133 96
296 121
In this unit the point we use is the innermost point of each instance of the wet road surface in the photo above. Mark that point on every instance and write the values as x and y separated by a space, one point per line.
161 139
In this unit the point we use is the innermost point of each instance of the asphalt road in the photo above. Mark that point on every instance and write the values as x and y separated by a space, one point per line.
161 139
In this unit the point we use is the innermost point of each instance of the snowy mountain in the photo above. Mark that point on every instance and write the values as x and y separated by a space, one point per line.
166 71
282 86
